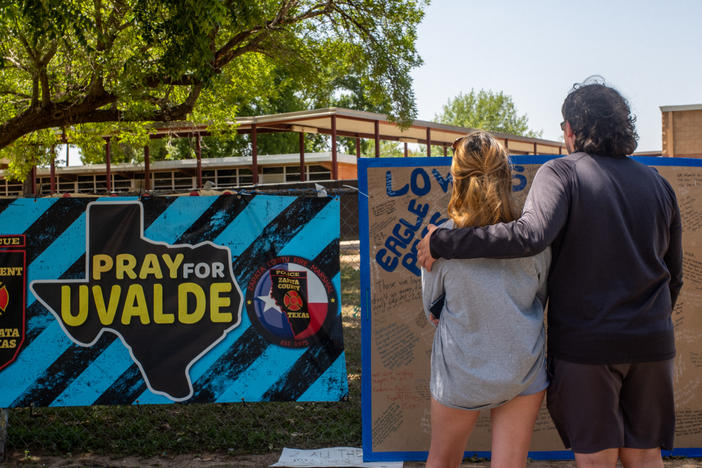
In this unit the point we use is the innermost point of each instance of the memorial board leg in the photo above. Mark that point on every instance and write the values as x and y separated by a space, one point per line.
3 432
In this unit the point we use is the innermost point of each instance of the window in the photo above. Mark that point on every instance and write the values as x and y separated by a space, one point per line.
86 184
162 180
67 184
100 183
183 180
226 178
292 173
316 172
121 182
208 176
245 177
43 185
13 188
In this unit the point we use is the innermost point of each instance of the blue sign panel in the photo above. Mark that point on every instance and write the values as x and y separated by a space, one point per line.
167 299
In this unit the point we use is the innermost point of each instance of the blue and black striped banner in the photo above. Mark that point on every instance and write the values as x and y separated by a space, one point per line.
279 335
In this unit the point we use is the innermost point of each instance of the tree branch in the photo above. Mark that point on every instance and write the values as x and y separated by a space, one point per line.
90 110
231 43
228 52
315 10
15 62
284 8
99 27
45 88
25 43
158 80
222 59
35 92
15 93
43 76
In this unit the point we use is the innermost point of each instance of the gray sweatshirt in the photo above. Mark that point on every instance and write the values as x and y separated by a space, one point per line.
490 342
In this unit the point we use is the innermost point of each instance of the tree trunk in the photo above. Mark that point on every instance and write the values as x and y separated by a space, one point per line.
27 185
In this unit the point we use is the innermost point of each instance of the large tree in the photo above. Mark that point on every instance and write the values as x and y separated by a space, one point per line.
487 110
91 68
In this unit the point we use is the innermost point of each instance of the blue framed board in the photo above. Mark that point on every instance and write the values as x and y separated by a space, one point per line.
398 198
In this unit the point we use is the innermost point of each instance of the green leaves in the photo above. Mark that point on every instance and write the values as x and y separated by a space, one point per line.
80 64
487 110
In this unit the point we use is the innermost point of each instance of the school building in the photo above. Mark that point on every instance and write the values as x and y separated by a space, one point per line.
234 172
681 132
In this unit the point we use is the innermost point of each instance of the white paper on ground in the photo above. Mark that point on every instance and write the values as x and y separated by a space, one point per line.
335 456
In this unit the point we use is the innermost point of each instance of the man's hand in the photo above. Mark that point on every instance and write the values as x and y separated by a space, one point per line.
423 251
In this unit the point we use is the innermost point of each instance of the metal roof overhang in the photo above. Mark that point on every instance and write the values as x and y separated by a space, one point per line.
191 164
349 123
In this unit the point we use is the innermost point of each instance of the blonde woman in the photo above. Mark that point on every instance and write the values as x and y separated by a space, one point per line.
489 345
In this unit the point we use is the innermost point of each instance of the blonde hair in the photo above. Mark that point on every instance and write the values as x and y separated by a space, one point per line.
482 182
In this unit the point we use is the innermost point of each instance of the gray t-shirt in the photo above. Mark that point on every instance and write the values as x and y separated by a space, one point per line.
490 342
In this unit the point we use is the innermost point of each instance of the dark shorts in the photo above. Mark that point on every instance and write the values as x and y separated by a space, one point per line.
597 407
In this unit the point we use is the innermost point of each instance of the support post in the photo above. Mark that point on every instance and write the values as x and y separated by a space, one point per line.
198 153
377 139
302 157
428 142
147 168
34 180
335 165
108 160
406 152
52 172
64 140
358 148
254 154
4 413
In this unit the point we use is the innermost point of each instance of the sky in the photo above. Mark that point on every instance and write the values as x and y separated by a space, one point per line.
534 51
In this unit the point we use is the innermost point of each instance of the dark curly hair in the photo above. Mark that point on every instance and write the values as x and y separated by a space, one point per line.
601 120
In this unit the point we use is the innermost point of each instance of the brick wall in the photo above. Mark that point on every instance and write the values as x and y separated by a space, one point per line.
682 133
667 134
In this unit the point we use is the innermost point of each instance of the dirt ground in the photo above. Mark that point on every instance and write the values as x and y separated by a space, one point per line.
240 461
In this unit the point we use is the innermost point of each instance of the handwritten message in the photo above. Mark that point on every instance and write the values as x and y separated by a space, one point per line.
696 358
688 179
688 422
387 423
395 343
689 212
692 270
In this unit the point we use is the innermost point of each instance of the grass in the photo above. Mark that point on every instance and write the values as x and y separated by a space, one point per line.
234 428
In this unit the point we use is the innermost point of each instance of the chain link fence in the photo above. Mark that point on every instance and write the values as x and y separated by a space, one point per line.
232 428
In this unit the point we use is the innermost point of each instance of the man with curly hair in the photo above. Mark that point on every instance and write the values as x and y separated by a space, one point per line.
616 271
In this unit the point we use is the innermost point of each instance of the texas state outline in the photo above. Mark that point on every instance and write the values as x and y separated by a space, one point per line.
87 337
